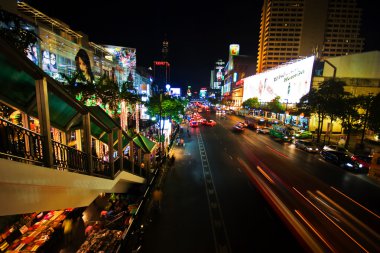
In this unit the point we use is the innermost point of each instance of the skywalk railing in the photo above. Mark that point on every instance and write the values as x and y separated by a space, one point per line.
23 145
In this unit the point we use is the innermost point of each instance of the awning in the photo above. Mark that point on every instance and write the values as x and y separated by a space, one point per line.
18 77
102 124
18 89
144 143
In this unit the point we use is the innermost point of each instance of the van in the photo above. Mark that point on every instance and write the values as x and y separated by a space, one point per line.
374 169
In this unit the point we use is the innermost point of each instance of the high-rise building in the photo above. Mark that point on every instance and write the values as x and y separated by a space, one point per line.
161 75
217 76
290 29
161 70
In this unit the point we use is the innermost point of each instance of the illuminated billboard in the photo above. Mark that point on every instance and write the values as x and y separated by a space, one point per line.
289 82
32 53
234 49
203 92
49 62
126 59
175 91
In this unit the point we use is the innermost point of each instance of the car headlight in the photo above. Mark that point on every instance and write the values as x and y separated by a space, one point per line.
309 149
349 165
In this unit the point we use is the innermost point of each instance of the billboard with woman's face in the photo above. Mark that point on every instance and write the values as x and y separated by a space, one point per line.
32 53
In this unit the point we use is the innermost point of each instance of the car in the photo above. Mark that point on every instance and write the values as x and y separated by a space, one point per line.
243 123
307 145
193 123
335 148
238 128
343 160
302 134
210 122
262 130
364 160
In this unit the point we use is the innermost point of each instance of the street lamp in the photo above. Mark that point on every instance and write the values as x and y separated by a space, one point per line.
286 105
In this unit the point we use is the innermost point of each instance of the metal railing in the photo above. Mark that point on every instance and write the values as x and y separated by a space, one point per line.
21 144
65 157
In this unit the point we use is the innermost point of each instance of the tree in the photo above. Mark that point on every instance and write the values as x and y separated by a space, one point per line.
332 93
313 102
275 105
12 30
165 106
374 114
365 103
252 103
349 115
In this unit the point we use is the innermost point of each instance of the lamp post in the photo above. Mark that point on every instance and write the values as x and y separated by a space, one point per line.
286 110
286 104
161 126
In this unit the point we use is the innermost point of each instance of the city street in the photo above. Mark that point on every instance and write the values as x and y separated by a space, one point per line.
215 198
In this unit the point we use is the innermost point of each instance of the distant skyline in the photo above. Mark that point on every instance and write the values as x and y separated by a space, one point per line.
199 32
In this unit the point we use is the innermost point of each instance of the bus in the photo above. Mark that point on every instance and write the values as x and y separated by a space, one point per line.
255 122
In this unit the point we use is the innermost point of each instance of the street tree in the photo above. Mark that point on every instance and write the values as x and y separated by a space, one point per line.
166 107
349 115
374 114
313 102
275 105
252 103
332 92
365 102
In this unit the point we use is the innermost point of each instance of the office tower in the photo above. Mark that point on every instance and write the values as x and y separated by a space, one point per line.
290 29
217 75
161 70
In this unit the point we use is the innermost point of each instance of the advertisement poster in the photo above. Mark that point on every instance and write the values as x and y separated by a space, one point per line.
289 82
126 58
49 62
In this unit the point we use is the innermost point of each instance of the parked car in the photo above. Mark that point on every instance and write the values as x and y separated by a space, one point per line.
364 160
238 128
307 145
343 160
262 130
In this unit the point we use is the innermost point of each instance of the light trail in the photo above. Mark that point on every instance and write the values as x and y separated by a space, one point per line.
365 208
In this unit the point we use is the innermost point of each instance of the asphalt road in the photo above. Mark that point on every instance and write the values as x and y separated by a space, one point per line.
230 192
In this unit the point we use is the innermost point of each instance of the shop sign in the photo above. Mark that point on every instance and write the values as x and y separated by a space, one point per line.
240 82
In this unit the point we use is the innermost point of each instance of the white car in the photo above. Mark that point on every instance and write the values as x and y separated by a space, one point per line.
262 130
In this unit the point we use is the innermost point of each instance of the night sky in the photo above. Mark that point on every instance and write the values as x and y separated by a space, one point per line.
199 32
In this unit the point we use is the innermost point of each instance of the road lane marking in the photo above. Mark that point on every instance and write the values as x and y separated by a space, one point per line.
221 240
